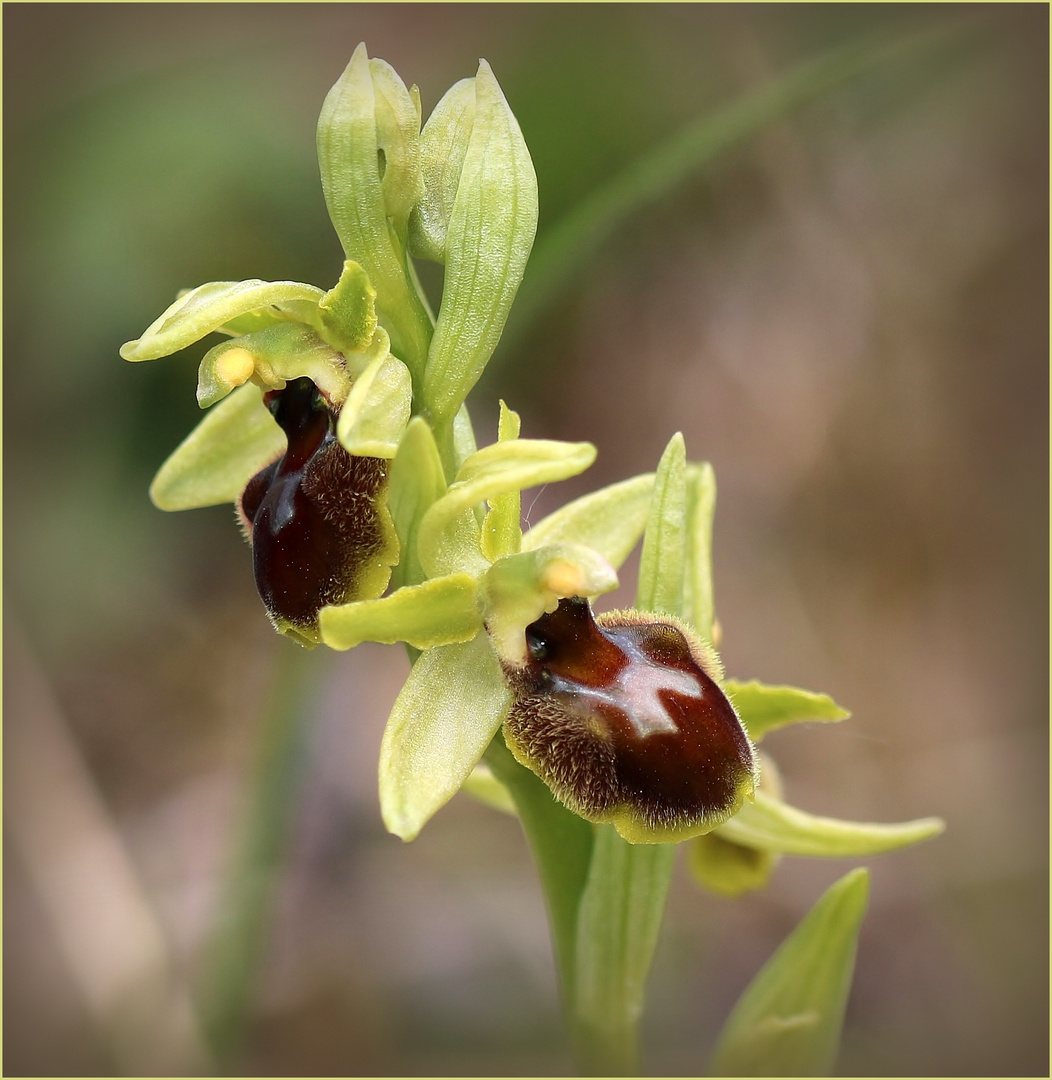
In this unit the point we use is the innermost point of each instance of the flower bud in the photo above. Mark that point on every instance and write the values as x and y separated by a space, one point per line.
317 520
623 719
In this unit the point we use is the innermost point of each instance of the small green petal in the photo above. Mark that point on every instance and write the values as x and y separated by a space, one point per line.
464 444
348 311
448 711
520 588
376 412
788 1020
726 868
491 230
609 521
443 147
438 612
661 562
217 459
271 358
398 136
492 471
765 708
482 785
415 484
501 529
698 606
776 826
212 306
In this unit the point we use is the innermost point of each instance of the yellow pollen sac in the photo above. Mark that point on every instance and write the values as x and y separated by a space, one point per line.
235 367
563 578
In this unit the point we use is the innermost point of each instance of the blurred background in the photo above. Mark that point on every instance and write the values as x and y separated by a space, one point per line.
847 315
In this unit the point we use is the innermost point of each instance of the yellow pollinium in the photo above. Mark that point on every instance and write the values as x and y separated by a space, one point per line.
235 367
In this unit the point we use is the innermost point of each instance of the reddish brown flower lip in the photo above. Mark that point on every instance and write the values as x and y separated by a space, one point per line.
624 720
312 516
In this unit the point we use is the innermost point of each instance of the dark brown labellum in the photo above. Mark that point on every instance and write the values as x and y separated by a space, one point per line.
622 718
315 517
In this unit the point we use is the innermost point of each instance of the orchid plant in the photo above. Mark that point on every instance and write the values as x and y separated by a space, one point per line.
337 426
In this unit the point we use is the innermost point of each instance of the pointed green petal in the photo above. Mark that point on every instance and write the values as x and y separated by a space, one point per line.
416 483
664 542
482 785
776 826
728 869
448 711
217 459
609 521
765 708
348 310
698 607
491 230
788 1021
501 529
492 471
210 307
376 412
520 588
438 612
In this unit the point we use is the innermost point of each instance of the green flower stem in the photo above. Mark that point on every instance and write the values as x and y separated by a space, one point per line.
618 924
240 930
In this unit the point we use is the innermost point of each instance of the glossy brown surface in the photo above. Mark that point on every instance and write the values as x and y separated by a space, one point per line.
314 520
621 714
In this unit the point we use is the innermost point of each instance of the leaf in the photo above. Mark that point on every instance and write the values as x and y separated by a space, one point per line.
788 1021
492 471
490 234
698 606
774 825
501 528
609 521
210 307
212 465
661 563
415 484
444 718
438 612
376 412
765 708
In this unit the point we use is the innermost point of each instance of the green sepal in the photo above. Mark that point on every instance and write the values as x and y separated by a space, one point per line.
490 234
444 718
520 588
764 708
217 459
501 528
774 825
398 138
788 1020
416 483
438 612
443 146
609 521
217 304
726 868
271 358
376 412
358 123
485 788
662 560
444 543
348 311
698 606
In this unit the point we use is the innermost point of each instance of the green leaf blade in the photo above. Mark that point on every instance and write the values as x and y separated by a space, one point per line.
788 1020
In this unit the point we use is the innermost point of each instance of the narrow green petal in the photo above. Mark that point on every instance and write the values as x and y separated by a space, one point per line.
698 606
217 459
491 230
482 785
520 588
438 612
492 471
502 529
726 868
664 542
609 521
210 307
376 412
776 826
788 1021
765 708
448 711
348 310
